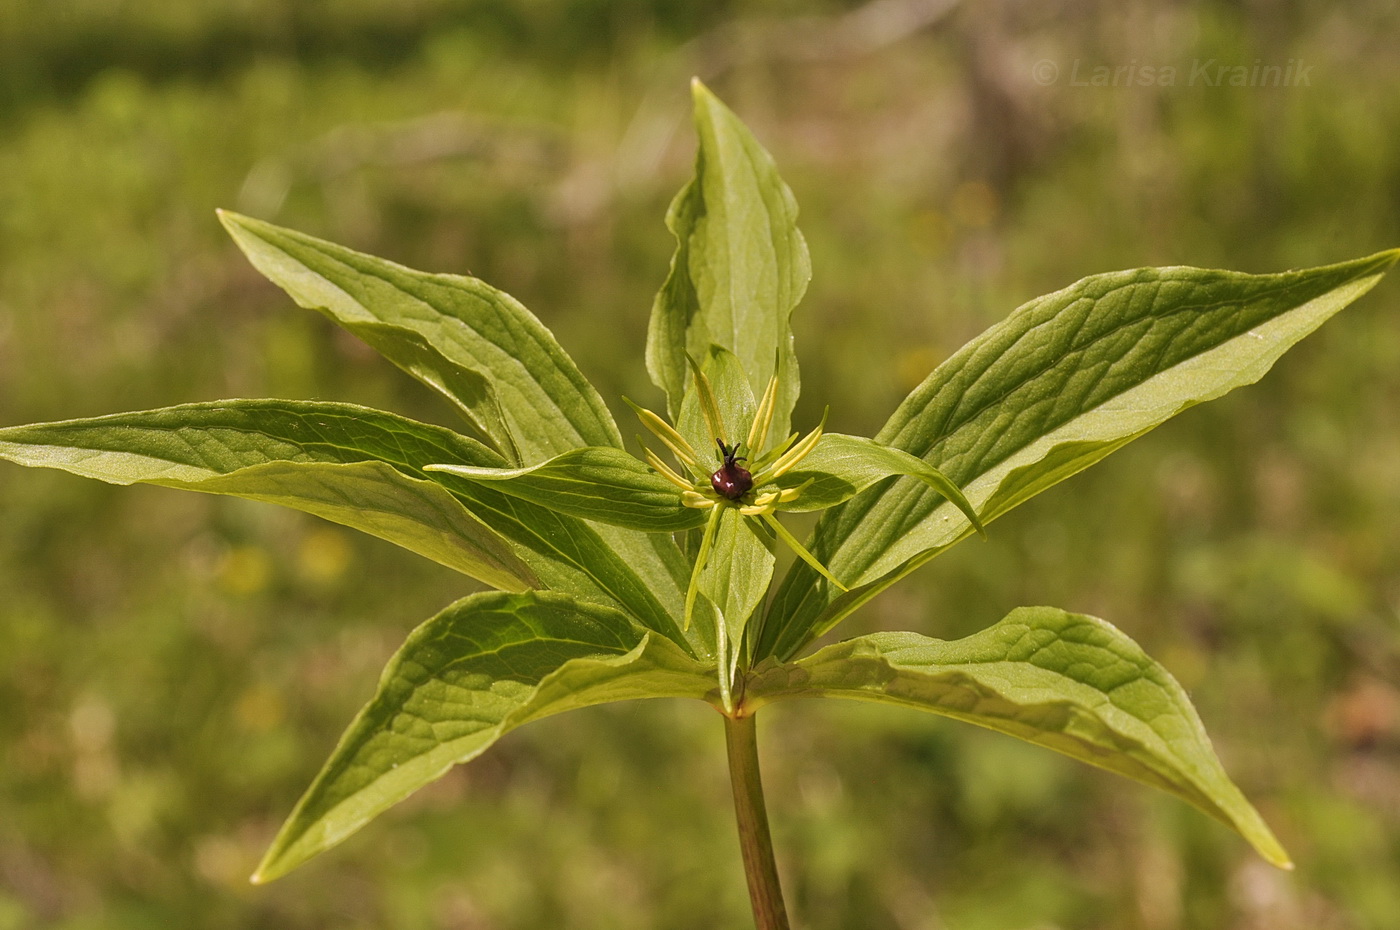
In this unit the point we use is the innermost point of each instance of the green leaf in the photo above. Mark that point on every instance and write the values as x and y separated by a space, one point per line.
1058 385
597 483
1069 682
363 468
470 391
351 465
507 373
645 574
841 466
740 267
735 576
476 345
487 664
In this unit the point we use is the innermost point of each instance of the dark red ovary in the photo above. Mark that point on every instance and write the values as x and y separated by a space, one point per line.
732 481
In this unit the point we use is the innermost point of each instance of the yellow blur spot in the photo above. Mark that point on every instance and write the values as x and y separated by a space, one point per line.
974 204
92 725
929 232
913 365
245 570
259 709
224 861
324 556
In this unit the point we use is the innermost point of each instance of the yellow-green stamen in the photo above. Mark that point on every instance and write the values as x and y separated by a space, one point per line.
664 470
763 418
768 501
773 454
673 440
796 454
695 499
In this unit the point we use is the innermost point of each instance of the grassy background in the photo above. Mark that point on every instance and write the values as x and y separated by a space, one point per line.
174 668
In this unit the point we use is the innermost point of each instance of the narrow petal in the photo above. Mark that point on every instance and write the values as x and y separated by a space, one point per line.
800 549
706 543
709 407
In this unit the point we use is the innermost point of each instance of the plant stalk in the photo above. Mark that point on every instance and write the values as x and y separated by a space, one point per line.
755 841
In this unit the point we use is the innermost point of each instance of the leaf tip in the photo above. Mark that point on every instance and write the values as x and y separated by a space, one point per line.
1276 856
266 871
1268 846
236 225
708 107
229 218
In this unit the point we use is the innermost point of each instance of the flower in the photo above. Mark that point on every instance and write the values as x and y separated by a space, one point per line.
818 471
751 491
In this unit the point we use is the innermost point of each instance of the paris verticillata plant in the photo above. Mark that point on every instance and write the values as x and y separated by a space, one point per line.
623 576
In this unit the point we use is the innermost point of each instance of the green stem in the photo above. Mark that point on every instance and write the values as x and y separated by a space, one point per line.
755 841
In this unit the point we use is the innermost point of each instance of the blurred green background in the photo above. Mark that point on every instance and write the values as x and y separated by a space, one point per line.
174 667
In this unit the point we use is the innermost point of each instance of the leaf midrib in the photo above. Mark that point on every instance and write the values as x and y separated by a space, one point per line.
604 584
1078 352
949 466
505 339
200 459
989 464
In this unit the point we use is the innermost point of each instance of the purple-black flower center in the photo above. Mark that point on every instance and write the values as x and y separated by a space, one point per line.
732 481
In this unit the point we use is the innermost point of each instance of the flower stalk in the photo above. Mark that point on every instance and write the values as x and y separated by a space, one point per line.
755 839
